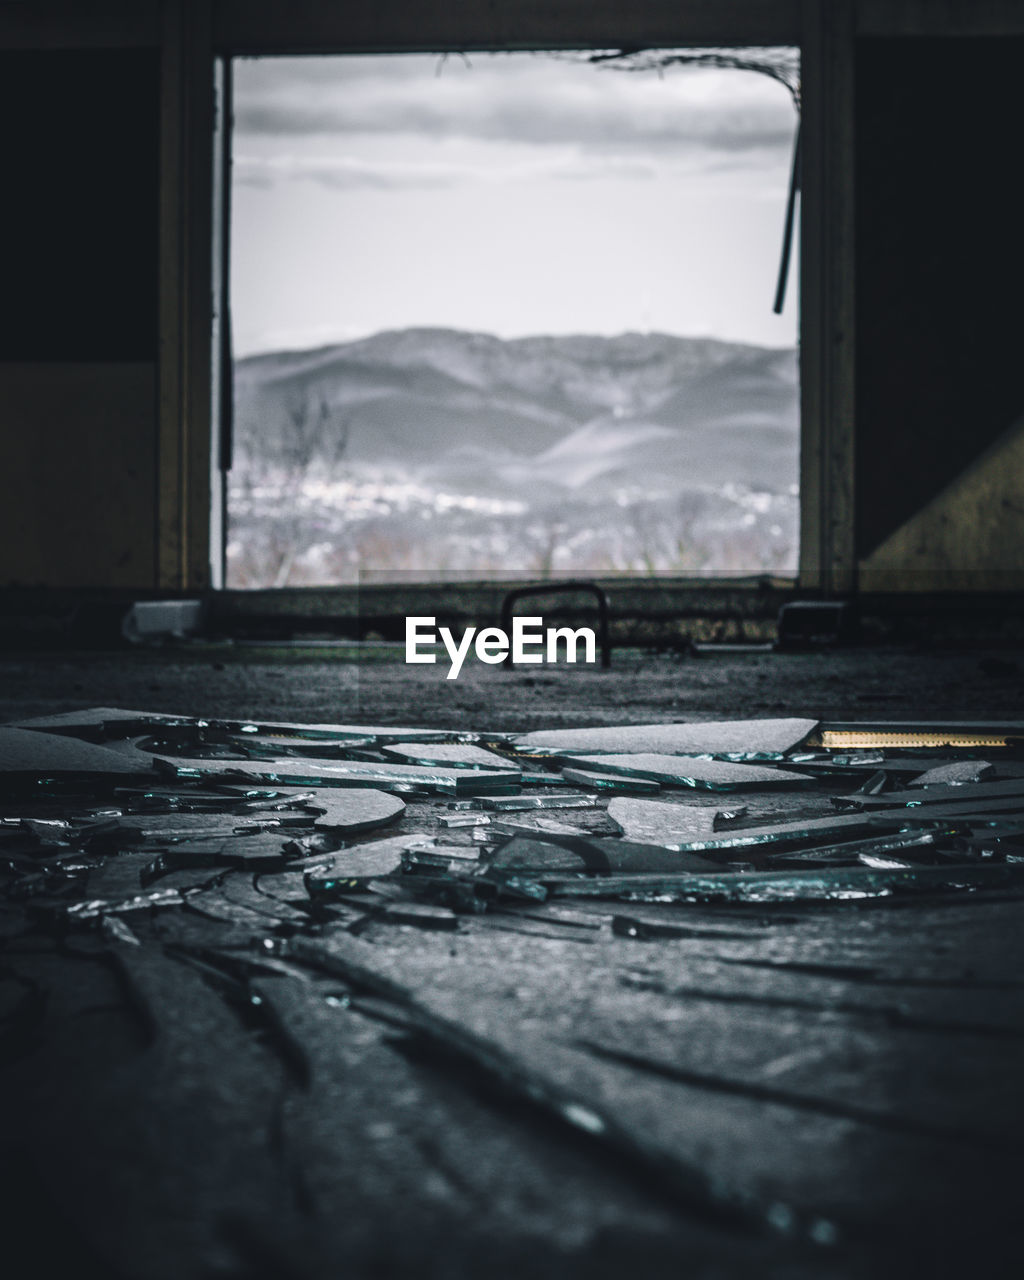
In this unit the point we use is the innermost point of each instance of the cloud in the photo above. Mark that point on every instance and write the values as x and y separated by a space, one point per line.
525 100
344 173
341 173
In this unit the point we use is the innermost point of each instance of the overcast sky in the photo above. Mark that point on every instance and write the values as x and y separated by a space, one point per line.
510 194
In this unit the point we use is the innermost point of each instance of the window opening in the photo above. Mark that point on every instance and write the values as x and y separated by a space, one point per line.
512 312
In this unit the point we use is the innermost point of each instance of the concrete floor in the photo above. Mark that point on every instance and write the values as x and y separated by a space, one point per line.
303 685
857 1065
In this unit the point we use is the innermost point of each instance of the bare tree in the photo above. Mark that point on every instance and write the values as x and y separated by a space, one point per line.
308 437
312 436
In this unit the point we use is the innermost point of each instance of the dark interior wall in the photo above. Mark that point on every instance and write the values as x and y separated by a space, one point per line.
79 315
80 161
105 286
940 268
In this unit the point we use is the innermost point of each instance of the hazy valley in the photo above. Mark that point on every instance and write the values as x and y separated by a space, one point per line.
433 451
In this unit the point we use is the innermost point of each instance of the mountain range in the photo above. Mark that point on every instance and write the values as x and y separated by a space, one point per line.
575 414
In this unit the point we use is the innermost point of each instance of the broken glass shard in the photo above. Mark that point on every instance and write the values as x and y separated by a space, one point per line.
979 813
694 771
272 744
509 884
658 822
913 844
136 830
835 764
1009 789
463 820
524 853
827 884
423 915
118 877
257 852
882 862
597 855
355 810
216 905
916 846
510 804
956 774
453 755
93 908
49 833
342 773
752 739
530 826
875 785
87 723
312 845
115 930
441 857
806 831
29 751
162 868
107 722
839 760
611 782
733 814
351 868
240 889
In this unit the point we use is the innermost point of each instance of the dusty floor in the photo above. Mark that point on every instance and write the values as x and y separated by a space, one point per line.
860 1062
301 685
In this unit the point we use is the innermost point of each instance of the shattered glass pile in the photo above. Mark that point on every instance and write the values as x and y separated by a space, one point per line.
285 863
